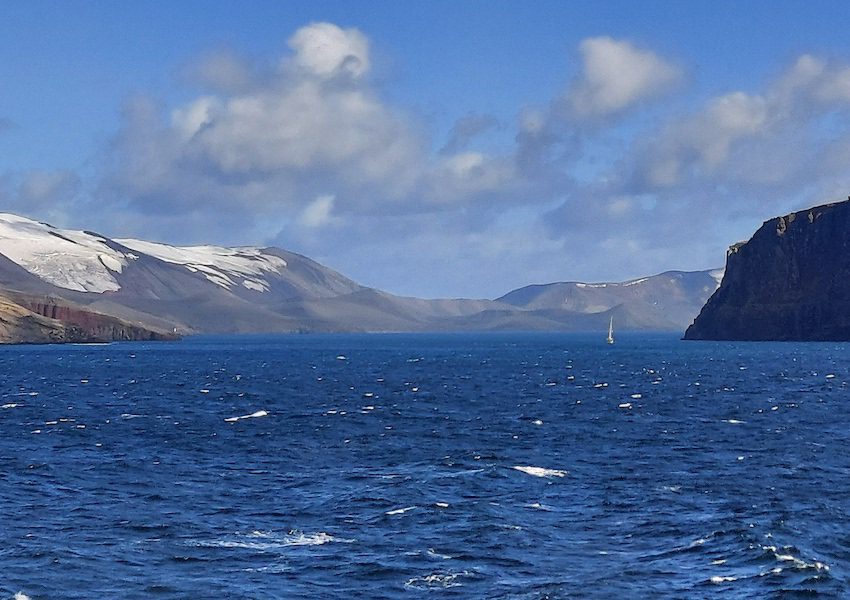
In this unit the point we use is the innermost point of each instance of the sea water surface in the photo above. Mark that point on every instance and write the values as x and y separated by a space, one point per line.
422 466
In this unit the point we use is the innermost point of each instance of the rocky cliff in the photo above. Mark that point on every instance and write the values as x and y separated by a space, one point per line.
50 321
790 281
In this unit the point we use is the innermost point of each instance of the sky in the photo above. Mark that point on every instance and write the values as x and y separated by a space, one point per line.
437 149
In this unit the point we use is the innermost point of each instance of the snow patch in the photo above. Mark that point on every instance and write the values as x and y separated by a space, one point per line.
593 285
74 260
257 286
111 263
222 266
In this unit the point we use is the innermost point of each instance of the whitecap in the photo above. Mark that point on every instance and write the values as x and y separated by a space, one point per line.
435 580
540 471
314 539
254 415
399 511
11 405
20 596
723 578
259 540
733 421
625 405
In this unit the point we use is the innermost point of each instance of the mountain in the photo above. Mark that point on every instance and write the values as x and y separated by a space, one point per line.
667 301
165 290
790 281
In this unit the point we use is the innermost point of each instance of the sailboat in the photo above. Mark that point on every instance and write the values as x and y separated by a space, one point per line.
610 339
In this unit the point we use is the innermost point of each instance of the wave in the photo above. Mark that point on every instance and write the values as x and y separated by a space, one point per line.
264 541
253 415
399 511
541 472
435 580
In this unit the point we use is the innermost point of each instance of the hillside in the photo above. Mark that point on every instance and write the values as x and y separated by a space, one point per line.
167 290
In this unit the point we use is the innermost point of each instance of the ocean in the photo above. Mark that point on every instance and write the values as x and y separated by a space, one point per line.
532 466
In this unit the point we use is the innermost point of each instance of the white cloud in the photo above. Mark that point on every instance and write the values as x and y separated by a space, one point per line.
707 137
255 158
616 75
271 146
326 50
318 212
777 136
189 119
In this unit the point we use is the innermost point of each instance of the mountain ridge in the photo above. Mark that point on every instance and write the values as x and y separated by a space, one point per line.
252 289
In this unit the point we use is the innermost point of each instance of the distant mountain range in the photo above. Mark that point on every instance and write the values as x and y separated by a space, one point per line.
65 285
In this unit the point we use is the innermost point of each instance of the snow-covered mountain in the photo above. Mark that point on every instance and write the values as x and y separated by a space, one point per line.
200 289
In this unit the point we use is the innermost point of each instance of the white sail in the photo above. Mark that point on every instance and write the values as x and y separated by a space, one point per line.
610 339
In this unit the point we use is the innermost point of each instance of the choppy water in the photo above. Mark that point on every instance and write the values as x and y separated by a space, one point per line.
490 466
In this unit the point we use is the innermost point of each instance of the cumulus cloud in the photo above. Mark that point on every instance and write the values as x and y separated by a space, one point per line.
707 137
308 153
617 75
268 143
678 193
327 50
779 135
272 144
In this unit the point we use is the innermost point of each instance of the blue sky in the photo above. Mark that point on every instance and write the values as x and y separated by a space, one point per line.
432 148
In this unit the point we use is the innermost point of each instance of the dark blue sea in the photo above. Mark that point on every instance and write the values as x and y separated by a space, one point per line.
424 466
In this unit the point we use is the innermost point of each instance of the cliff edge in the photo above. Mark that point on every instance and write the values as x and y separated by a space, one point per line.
790 281
29 320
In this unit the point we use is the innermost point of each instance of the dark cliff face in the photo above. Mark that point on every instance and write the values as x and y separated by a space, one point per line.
790 281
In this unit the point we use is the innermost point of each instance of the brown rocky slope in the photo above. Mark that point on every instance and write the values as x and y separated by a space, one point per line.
33 320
